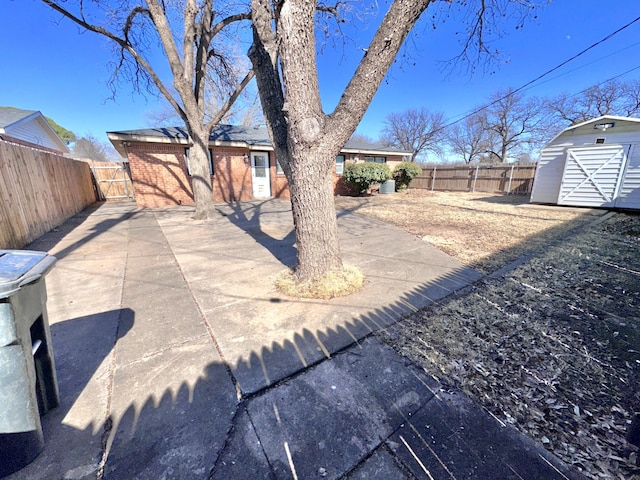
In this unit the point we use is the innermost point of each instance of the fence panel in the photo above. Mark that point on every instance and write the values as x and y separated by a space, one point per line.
113 180
503 178
39 191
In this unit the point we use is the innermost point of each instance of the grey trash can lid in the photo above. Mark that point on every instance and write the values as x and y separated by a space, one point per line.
22 267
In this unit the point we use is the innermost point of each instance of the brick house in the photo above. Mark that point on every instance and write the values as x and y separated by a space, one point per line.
243 164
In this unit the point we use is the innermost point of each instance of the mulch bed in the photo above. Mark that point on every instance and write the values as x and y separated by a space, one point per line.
551 347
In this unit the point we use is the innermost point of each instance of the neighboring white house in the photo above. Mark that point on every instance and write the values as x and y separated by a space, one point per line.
592 164
29 127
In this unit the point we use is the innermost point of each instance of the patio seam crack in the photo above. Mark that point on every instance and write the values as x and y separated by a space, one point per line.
105 441
203 317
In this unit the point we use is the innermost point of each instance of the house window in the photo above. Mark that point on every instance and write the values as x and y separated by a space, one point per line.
186 154
279 170
339 164
599 140
376 159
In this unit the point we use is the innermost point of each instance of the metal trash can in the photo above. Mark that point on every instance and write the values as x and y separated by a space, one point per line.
388 187
28 384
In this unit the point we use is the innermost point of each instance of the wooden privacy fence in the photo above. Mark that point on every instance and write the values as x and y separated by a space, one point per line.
38 191
502 178
113 180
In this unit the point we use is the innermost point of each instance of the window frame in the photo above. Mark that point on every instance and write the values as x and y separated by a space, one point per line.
186 157
375 159
340 171
279 170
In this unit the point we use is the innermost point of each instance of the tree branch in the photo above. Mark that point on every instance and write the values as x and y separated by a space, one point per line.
224 109
386 43
124 45
218 27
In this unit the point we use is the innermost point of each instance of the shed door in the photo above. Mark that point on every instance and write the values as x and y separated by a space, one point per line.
592 175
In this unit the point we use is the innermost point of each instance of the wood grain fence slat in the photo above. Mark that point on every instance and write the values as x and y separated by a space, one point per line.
507 179
38 191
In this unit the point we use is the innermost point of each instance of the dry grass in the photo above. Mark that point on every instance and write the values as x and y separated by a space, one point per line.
479 229
551 347
337 283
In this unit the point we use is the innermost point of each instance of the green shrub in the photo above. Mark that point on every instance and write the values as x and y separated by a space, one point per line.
361 176
404 173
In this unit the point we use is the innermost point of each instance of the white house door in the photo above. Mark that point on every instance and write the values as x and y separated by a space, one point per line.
260 174
592 176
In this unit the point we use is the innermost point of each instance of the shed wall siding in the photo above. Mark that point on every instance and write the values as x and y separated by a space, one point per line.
629 196
546 184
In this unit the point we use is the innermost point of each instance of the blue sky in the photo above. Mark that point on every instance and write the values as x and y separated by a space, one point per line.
50 65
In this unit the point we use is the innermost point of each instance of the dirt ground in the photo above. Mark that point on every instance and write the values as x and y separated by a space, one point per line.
551 346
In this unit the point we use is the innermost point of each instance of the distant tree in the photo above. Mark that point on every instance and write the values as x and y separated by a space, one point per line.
418 131
469 138
245 111
609 98
359 137
67 136
92 148
513 124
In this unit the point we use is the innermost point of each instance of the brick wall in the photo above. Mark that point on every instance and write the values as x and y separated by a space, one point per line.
159 174
160 179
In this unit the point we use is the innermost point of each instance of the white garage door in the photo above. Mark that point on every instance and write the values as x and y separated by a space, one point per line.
592 175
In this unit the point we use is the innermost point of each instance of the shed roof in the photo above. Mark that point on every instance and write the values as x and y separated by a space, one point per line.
583 127
235 135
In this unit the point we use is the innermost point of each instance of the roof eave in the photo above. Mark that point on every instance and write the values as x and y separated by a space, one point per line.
374 152
120 140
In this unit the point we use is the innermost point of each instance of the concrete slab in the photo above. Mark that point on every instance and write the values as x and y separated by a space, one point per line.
380 465
84 308
243 456
452 437
172 399
170 415
324 421
266 337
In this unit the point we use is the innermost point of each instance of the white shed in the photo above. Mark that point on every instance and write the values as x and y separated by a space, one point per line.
592 164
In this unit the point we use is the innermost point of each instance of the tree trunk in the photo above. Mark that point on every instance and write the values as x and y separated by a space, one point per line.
314 215
305 139
201 174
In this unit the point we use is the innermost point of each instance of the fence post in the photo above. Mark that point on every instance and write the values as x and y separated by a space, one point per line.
475 178
510 178
433 178
124 179
96 183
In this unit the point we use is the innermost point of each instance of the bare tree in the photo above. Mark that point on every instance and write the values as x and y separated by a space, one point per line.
283 55
419 131
189 33
609 98
513 124
305 138
359 137
92 148
469 138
